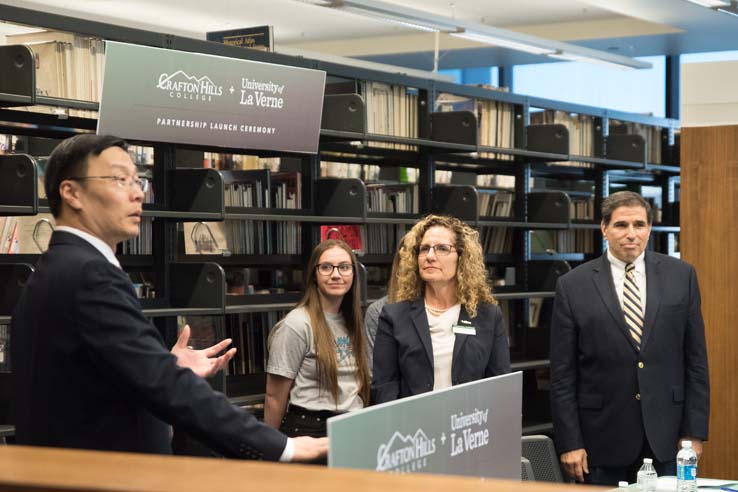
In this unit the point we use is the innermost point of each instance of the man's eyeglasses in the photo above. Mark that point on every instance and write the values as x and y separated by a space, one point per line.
344 269
132 183
439 249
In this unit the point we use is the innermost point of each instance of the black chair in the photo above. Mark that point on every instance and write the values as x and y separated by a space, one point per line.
539 450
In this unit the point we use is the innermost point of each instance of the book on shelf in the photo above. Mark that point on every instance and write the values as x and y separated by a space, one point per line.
141 244
393 198
390 110
383 239
651 136
495 119
496 203
351 234
68 66
250 334
581 129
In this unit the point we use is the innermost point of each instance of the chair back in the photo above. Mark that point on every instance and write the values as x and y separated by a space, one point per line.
539 450
526 470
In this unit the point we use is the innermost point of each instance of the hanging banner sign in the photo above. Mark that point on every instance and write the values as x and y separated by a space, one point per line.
158 95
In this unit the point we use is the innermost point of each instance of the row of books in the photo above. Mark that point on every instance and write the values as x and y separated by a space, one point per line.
141 244
5 348
651 135
68 66
390 110
557 241
496 240
239 162
243 237
250 334
496 203
495 119
582 208
382 239
397 198
581 131
262 189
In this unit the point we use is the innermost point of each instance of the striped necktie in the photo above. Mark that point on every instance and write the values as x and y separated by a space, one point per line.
632 305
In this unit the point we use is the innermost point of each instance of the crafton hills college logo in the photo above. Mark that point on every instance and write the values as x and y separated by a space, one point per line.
405 453
179 85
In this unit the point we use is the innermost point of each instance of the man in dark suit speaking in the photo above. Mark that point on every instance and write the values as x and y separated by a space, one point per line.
89 370
629 374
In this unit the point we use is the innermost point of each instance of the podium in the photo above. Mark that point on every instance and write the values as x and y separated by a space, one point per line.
472 429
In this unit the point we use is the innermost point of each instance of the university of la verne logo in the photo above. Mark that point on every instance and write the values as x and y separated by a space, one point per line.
183 86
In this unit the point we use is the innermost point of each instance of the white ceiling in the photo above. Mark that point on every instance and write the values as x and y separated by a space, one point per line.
628 27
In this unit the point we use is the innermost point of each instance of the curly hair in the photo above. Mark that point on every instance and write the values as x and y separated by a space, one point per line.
471 273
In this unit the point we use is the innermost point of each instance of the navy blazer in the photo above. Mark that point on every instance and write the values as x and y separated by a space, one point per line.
606 396
90 371
403 350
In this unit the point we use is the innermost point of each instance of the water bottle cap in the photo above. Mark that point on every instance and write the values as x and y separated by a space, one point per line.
622 484
648 461
686 444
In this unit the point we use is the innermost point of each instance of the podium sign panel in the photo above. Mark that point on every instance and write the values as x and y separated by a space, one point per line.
471 429
159 95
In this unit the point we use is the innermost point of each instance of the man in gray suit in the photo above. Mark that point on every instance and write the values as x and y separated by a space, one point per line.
629 375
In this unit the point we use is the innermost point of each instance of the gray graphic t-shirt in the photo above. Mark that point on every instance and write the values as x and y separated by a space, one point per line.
292 355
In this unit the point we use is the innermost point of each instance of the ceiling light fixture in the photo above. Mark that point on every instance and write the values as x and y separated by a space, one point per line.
478 32
711 3
504 43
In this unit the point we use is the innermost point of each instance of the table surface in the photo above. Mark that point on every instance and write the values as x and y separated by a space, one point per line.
36 468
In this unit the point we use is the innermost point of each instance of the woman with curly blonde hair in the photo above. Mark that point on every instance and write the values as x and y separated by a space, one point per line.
445 327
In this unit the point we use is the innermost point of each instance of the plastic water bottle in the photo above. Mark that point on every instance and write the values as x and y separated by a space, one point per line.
686 461
647 476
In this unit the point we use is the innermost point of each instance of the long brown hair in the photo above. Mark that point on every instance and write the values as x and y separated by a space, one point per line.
325 343
472 286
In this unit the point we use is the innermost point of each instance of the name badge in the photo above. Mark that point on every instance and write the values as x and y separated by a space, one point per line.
464 330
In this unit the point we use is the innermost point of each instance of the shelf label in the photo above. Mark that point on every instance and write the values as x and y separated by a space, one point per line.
159 95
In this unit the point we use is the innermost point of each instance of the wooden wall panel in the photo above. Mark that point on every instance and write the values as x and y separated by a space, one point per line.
709 241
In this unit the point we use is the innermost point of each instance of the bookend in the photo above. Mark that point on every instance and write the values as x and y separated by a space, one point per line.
549 207
344 112
18 84
341 197
463 200
18 185
552 139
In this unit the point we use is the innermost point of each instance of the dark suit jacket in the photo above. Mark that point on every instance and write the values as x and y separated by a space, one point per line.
403 351
91 372
605 395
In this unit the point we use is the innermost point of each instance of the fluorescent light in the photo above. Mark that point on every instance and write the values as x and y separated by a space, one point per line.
711 3
505 43
475 31
427 27
579 58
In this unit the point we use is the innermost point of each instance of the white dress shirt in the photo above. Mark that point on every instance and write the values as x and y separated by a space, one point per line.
443 338
98 243
617 267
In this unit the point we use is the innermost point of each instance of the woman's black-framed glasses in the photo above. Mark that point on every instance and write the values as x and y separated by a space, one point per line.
438 249
344 269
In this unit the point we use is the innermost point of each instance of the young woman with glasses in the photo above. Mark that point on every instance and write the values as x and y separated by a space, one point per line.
445 328
317 359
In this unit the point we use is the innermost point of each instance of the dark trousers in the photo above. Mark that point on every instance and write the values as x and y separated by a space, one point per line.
300 421
611 475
